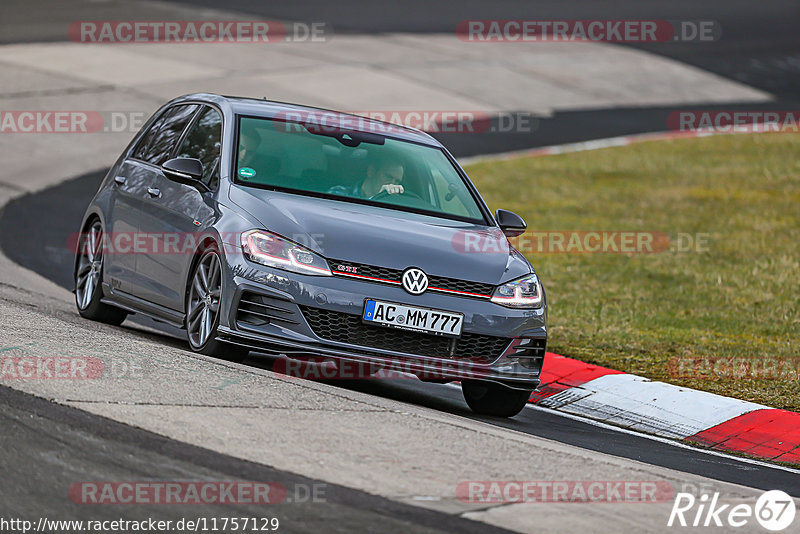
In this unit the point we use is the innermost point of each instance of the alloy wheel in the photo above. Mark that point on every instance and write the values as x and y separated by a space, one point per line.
90 266
204 296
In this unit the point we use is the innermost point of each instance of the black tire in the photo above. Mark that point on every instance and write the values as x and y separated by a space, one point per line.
88 277
487 398
204 299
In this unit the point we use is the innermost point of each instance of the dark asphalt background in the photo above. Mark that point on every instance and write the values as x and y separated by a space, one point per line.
760 46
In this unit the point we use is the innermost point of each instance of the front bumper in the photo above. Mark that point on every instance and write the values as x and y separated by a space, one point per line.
278 324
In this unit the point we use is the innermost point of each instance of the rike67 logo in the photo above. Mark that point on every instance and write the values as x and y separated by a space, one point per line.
774 510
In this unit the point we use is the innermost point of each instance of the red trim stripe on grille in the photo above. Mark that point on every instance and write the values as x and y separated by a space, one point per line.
460 292
342 273
395 282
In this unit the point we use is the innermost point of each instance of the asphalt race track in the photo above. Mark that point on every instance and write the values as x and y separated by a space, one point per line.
75 444
760 44
32 241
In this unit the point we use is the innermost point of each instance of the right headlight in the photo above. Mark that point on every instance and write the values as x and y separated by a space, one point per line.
273 250
525 292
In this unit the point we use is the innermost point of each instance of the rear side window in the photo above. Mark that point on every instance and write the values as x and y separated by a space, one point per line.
157 144
203 142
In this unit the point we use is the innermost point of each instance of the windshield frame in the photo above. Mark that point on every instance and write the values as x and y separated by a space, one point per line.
487 219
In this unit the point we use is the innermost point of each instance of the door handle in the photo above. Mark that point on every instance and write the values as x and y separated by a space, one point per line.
153 192
120 180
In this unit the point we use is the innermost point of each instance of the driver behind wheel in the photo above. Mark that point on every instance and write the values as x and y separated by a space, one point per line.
382 177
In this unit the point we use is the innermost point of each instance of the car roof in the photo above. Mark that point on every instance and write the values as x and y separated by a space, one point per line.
273 109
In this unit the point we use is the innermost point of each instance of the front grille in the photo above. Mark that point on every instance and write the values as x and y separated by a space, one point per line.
255 309
387 275
347 328
362 269
452 284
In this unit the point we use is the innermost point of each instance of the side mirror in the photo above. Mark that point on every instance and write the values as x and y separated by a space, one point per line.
184 170
510 223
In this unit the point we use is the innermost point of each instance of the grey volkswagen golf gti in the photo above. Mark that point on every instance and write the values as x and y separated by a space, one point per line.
319 236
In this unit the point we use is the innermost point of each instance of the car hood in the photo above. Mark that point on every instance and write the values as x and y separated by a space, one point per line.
383 237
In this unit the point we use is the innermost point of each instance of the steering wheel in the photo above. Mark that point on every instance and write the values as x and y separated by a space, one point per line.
384 194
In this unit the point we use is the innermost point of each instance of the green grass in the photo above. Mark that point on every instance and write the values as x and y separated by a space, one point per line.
671 315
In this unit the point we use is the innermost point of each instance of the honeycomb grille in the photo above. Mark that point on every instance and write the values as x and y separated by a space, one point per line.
478 289
347 328
461 285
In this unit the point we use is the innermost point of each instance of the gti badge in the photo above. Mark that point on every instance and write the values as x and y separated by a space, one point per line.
415 281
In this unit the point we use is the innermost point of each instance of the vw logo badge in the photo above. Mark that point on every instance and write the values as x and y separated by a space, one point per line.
415 281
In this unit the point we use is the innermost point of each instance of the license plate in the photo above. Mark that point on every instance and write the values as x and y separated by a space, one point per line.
414 318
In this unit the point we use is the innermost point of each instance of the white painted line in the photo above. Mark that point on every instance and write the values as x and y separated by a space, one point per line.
638 403
660 439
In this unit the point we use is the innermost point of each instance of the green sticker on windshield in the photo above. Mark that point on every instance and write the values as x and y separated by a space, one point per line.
247 172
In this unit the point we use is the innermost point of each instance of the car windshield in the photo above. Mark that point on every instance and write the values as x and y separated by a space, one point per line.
352 166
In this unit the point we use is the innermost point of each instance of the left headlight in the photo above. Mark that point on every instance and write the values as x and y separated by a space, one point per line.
273 250
525 292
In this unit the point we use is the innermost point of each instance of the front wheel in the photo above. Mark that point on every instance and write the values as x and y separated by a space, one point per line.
89 276
487 398
203 302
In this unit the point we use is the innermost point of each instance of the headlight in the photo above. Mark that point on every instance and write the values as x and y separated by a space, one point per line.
272 250
525 292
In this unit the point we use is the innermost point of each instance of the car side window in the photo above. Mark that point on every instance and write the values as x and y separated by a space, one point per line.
203 143
157 144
